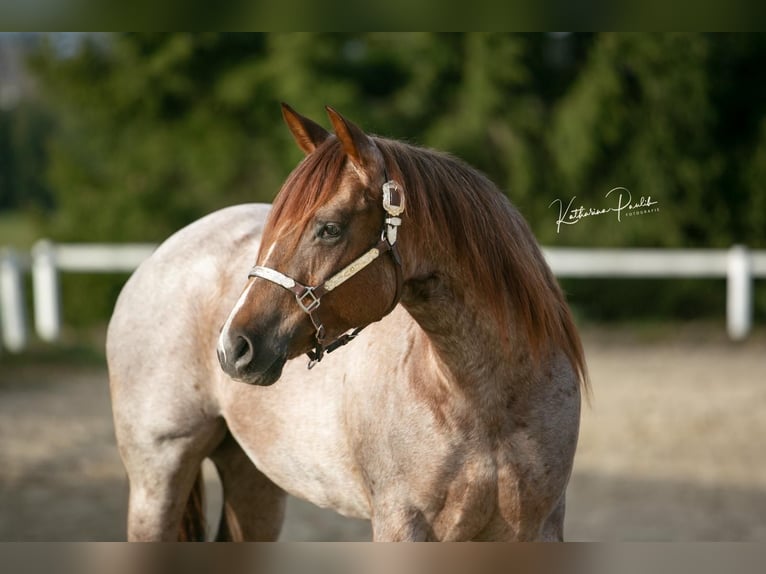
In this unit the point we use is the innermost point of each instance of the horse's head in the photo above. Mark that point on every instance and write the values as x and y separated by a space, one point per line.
328 260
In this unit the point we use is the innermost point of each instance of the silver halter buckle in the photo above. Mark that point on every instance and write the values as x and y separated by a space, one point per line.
393 210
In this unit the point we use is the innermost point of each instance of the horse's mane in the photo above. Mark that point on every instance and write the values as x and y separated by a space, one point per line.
449 200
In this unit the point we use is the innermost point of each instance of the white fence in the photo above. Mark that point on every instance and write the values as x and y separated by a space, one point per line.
46 262
738 265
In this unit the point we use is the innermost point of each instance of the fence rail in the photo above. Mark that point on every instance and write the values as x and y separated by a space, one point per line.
738 265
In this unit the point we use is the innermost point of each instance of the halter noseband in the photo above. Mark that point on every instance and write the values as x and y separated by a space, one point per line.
308 297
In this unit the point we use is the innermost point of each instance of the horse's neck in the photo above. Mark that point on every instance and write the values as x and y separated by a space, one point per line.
471 353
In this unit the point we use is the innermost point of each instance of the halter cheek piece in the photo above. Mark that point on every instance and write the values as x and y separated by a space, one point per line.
308 297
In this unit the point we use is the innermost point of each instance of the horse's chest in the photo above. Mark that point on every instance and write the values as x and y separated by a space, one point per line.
299 444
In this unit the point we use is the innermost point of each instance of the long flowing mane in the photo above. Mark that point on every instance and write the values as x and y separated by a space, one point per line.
493 241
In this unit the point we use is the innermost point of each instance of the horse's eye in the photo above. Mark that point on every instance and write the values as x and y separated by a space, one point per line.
330 231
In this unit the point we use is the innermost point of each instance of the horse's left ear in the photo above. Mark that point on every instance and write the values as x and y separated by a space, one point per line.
308 134
358 146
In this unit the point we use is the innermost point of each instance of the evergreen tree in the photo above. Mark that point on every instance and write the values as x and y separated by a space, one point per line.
154 130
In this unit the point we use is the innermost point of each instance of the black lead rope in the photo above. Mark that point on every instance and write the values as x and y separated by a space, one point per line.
319 351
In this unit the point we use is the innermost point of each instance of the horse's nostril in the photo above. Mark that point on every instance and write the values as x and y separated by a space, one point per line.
242 353
245 356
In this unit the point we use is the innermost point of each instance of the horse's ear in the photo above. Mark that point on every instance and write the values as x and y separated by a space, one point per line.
357 144
308 134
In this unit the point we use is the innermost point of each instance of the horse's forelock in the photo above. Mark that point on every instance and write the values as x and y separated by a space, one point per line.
309 186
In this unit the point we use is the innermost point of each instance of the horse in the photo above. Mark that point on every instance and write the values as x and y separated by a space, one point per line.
442 399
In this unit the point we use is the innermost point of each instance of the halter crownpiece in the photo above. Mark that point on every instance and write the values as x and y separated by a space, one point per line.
308 297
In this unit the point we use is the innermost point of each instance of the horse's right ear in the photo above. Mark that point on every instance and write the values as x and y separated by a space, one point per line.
308 134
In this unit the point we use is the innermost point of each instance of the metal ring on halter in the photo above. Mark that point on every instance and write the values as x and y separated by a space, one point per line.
313 300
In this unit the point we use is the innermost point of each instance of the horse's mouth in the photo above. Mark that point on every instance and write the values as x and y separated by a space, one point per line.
264 378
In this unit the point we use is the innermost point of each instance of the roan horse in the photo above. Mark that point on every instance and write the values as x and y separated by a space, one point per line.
454 415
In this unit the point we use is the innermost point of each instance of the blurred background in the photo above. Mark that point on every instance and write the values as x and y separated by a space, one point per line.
127 137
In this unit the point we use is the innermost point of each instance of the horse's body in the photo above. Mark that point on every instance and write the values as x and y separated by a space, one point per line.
432 423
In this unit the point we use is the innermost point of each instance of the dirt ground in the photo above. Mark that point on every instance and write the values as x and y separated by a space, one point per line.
671 448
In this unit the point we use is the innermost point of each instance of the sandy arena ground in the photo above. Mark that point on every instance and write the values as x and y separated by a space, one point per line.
671 448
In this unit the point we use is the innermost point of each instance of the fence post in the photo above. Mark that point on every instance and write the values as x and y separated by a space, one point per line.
739 293
45 285
12 308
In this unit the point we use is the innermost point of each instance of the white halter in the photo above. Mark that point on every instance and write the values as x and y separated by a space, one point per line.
308 297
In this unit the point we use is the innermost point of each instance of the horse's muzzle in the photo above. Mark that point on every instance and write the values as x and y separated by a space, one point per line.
248 360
